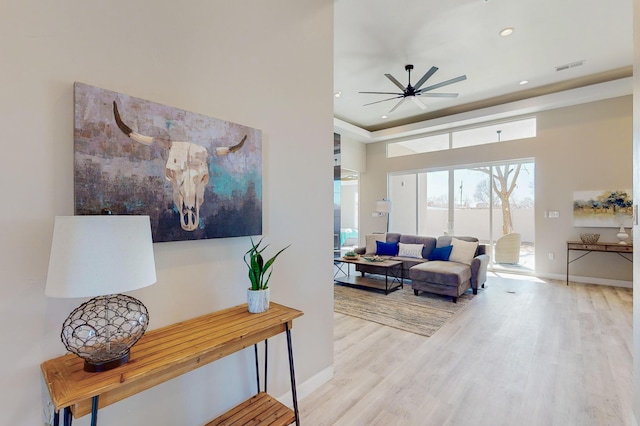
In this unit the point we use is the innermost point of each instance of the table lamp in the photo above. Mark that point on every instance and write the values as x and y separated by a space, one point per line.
99 257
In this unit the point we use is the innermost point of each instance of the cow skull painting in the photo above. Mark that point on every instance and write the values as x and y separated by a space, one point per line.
197 177
187 169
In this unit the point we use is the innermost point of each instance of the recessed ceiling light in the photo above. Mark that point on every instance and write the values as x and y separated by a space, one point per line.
338 94
384 116
523 82
506 32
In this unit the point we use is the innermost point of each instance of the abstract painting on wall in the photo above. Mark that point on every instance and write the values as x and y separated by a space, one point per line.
602 209
197 177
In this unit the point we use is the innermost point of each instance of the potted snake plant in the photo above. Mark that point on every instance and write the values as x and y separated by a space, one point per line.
258 295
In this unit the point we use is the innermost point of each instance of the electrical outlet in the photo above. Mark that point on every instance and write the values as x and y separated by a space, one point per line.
552 255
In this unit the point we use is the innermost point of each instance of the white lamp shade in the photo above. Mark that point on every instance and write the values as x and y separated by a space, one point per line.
383 206
100 255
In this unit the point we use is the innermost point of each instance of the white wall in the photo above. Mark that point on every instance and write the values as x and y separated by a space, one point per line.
353 154
635 415
348 204
229 60
583 147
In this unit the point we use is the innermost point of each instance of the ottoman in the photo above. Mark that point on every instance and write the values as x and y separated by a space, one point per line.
441 277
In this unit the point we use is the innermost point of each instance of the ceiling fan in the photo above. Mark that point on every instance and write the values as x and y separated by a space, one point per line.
412 92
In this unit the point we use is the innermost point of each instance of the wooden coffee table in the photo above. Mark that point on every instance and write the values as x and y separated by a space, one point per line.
392 269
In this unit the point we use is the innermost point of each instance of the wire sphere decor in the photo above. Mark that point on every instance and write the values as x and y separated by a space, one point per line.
589 238
102 330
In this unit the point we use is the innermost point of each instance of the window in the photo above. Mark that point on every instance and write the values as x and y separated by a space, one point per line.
481 135
502 132
486 201
419 145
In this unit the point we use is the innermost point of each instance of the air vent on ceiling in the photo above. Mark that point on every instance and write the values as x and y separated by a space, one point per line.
571 65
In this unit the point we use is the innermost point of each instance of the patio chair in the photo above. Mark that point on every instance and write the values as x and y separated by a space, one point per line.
507 249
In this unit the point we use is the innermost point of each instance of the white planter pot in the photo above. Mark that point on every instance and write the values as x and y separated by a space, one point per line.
258 300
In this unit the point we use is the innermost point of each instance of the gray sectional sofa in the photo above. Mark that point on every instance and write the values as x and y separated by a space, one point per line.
450 278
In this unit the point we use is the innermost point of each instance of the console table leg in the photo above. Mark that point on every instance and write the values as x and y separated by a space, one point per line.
94 411
568 265
265 364
266 351
292 373
67 416
56 418
255 347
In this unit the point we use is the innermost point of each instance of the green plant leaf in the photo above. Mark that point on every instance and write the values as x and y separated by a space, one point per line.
273 259
259 271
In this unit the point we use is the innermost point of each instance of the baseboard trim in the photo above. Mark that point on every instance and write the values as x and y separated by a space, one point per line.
563 277
309 386
588 280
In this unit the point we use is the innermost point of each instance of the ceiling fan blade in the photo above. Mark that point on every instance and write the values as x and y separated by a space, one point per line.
425 77
384 93
394 81
418 102
398 104
444 83
384 100
438 95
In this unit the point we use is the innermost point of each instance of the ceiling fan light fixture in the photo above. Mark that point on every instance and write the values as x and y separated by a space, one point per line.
414 91
506 31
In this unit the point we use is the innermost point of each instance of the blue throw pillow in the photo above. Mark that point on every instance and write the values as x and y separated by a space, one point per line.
386 249
441 253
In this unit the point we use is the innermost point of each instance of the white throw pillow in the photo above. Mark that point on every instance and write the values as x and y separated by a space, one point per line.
410 250
463 251
371 239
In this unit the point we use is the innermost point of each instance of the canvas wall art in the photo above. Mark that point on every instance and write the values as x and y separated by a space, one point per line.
603 209
197 177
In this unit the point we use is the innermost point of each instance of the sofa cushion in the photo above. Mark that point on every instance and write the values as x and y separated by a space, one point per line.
441 272
428 242
410 250
393 237
386 249
370 240
445 240
408 262
463 251
441 253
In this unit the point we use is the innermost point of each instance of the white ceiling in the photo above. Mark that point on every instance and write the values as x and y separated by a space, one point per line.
461 37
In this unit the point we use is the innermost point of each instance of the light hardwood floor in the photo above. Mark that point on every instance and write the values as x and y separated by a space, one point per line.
524 352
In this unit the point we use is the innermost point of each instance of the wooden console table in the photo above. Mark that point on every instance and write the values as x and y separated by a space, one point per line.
619 249
171 351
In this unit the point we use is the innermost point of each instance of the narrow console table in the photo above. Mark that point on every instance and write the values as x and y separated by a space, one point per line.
619 249
171 351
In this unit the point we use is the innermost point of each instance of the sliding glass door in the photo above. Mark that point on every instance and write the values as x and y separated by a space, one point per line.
471 212
493 202
433 203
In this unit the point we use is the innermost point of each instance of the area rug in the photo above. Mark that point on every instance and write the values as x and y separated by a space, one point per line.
423 314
